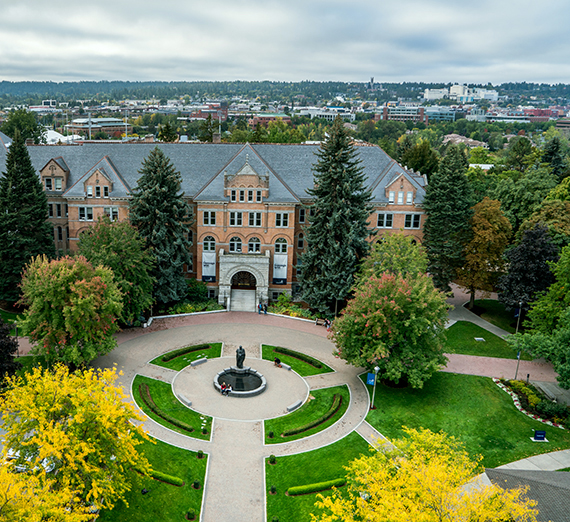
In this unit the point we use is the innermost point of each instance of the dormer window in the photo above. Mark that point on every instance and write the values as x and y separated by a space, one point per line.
409 198
400 198
89 189
97 191
259 196
242 195
57 183
48 184
233 195
250 195
391 196
106 191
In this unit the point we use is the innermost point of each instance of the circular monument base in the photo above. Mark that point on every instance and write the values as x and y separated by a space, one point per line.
245 382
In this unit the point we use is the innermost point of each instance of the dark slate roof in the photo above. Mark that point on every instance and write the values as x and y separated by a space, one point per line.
550 489
202 165
106 167
5 141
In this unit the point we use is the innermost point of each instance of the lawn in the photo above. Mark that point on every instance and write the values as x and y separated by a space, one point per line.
163 501
494 312
471 408
178 363
161 393
461 339
317 405
307 468
304 369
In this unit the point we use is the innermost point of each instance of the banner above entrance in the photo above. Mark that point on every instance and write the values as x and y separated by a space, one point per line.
280 269
209 267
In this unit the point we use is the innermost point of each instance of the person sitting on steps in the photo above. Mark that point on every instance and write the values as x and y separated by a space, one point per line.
277 362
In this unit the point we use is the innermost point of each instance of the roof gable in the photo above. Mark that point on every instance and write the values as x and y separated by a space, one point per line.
104 167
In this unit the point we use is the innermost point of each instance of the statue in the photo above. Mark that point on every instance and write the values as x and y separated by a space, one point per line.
240 357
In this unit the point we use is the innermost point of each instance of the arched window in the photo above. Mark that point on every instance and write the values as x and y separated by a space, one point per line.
254 245
281 246
301 241
209 244
235 244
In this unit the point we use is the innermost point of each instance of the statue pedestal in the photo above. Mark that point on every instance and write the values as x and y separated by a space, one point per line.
244 370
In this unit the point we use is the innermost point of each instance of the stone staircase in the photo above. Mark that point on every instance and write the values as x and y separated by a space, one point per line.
243 301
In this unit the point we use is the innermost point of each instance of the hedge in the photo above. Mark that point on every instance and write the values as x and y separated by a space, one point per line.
298 355
337 401
164 477
183 351
315 488
144 392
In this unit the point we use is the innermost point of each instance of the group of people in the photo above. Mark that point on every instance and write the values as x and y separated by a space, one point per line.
262 308
226 389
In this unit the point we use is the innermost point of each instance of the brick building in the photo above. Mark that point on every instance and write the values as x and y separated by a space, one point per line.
249 202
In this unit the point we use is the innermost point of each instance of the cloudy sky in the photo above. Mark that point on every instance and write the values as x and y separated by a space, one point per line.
290 40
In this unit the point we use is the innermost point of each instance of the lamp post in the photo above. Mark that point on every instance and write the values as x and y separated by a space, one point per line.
516 332
376 370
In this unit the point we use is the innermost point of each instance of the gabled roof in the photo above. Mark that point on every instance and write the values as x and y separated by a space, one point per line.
5 141
60 161
108 170
550 489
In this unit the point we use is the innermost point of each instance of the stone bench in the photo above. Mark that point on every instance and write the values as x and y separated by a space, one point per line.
286 366
294 406
185 401
202 360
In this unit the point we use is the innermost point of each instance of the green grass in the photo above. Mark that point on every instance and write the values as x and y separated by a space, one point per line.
461 339
163 501
163 397
307 468
494 312
472 409
303 368
178 363
311 410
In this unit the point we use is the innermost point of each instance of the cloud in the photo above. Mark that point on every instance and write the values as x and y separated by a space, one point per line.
405 40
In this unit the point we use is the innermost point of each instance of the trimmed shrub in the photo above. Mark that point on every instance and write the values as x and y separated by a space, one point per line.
271 435
273 490
272 459
164 477
336 404
200 454
144 392
275 519
191 514
553 409
315 488
298 355
196 484
183 351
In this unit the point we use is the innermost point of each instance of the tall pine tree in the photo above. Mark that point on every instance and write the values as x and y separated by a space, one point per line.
162 217
447 204
24 229
338 232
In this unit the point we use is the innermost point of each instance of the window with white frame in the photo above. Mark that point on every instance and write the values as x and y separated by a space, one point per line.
281 246
235 219
112 212
281 219
85 213
242 195
58 184
391 196
301 215
400 198
298 266
412 221
385 220
255 219
301 241
250 195
209 244
97 191
89 189
209 217
233 195
235 244
48 184
258 197
409 198
58 209
106 191
254 245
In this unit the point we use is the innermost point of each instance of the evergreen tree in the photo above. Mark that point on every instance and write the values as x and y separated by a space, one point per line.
8 349
167 133
24 229
338 232
447 204
553 156
162 217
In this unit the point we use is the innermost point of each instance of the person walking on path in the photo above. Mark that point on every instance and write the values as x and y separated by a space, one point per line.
259 307
265 308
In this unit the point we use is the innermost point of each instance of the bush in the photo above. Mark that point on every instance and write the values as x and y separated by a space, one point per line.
315 488
275 519
190 514
272 459
337 401
204 431
183 351
191 308
144 393
553 409
270 434
196 484
298 355
273 490
200 454
197 291
164 477
285 306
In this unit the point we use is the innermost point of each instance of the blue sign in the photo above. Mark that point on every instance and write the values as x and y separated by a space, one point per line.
539 435
370 379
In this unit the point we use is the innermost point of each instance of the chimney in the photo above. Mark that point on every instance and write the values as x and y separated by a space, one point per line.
29 141
216 137
149 138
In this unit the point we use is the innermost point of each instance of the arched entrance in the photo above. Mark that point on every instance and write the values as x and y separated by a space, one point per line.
243 281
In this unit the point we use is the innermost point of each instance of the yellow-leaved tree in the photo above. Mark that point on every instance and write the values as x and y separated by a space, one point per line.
422 478
72 435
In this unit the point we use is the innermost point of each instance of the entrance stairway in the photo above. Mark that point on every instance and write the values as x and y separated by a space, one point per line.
243 301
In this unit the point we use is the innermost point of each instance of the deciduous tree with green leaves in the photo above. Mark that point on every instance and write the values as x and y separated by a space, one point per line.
8 350
24 229
338 231
167 133
555 215
162 217
396 323
26 124
119 246
484 261
421 158
72 309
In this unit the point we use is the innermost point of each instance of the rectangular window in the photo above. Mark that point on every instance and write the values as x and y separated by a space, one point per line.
112 212
255 219
57 183
233 195
400 198
385 220
209 218
250 195
59 234
242 195
259 196
89 191
97 192
66 210
58 210
50 210
412 221
391 196
106 191
85 213
281 219
191 236
235 219
48 183
409 198
301 215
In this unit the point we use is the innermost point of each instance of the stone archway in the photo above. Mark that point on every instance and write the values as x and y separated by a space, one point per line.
243 280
